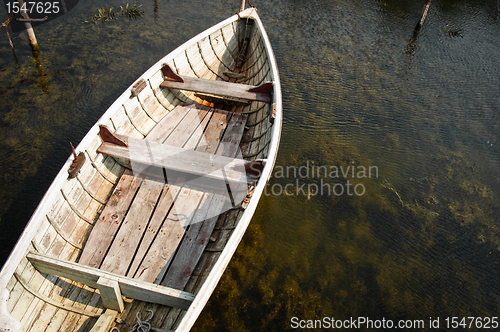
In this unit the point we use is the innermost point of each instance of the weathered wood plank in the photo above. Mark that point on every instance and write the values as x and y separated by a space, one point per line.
256 48
206 265
203 267
171 232
104 191
177 159
138 116
169 236
198 133
60 208
40 314
156 260
194 242
164 128
181 134
129 287
104 165
90 301
209 58
211 138
181 63
228 33
198 234
105 321
108 223
156 78
55 290
82 294
25 274
123 125
91 182
230 143
120 254
164 205
171 318
16 290
220 88
39 238
164 97
219 48
196 62
230 146
49 301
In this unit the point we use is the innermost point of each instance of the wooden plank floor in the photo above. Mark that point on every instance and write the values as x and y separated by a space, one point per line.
156 231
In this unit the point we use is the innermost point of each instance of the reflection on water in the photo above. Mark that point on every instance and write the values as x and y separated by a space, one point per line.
358 86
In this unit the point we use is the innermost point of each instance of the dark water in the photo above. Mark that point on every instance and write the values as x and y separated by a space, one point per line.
360 90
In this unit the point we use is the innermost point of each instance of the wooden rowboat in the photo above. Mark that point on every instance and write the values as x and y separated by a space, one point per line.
159 197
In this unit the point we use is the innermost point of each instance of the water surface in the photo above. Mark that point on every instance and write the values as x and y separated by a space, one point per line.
360 88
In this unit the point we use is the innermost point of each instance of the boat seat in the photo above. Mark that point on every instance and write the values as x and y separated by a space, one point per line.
219 88
171 157
111 286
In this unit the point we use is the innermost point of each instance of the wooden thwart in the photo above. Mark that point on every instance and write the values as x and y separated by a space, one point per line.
222 100
132 288
220 88
177 159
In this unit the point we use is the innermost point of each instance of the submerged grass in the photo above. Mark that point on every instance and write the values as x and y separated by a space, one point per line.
424 240
409 249
105 14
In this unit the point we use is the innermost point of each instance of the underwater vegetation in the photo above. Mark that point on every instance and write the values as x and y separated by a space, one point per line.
454 33
424 240
408 249
105 14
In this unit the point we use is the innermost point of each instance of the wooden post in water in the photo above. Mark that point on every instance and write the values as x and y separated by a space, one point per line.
426 9
35 50
5 24
242 6
29 28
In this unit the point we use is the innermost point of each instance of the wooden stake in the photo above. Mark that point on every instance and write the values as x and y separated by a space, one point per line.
29 28
5 24
242 7
426 9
